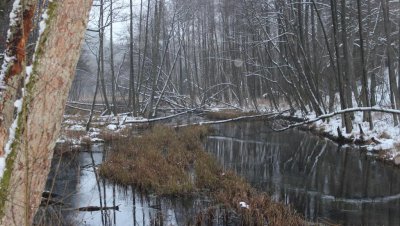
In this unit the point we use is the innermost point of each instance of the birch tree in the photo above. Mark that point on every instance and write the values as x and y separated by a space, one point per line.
37 94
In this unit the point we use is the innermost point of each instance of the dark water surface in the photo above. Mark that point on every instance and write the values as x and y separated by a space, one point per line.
320 179
73 178
315 176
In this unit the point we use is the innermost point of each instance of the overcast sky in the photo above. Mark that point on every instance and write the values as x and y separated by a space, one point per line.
121 29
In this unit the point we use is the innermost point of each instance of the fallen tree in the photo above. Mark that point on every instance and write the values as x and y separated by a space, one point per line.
330 115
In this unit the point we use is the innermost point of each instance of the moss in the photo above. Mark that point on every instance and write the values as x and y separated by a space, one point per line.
51 13
5 181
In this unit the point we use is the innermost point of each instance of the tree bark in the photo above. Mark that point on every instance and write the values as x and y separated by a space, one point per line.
43 105
394 95
365 93
114 101
345 118
132 92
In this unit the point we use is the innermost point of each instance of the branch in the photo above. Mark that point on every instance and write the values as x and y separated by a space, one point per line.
158 119
329 115
270 115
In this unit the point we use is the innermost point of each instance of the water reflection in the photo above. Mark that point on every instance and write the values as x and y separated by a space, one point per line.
73 178
319 179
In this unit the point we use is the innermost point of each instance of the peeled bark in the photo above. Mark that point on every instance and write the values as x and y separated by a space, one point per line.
39 121
14 64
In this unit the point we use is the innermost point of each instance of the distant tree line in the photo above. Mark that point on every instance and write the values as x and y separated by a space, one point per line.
312 55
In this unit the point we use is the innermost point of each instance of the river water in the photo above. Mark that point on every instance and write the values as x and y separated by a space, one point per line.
324 182
319 179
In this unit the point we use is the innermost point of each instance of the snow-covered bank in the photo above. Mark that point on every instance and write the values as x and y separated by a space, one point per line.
383 138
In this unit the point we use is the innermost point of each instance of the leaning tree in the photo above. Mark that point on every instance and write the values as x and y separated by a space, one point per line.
33 92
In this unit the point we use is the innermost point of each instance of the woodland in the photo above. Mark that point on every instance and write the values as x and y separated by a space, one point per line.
311 58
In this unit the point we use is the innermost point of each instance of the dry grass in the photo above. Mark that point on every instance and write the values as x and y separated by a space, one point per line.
169 162
74 134
385 135
158 162
112 136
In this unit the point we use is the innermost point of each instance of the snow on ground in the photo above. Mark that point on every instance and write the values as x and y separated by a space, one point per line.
112 127
77 128
384 131
74 129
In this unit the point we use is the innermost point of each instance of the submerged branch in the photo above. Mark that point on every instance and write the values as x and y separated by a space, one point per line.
98 208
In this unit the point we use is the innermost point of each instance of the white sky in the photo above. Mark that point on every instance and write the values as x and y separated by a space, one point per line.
121 29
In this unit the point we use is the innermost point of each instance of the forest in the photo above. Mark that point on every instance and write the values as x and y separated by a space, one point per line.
312 56
88 68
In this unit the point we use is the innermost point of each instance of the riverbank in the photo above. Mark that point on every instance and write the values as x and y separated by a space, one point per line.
383 141
274 163
171 161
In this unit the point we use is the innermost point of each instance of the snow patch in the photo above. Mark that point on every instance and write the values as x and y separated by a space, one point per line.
112 127
244 205
43 22
7 59
11 138
28 70
76 128
96 140
14 15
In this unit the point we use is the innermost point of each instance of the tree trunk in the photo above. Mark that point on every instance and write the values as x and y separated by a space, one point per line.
349 61
365 93
394 95
346 117
101 48
114 102
132 92
39 120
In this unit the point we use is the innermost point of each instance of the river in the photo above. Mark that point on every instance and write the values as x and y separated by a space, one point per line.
322 181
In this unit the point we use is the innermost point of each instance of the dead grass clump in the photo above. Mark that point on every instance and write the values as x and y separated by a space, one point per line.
108 136
158 162
385 135
85 141
231 190
74 134
66 148
166 161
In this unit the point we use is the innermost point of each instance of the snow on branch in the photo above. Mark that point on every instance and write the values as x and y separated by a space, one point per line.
269 115
329 115
145 120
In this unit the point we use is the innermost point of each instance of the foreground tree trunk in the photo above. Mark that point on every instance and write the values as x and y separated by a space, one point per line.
39 119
